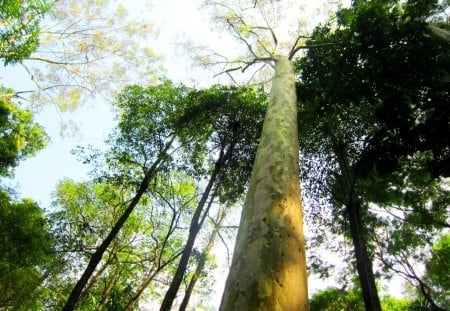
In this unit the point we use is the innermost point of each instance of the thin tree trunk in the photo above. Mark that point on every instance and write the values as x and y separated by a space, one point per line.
357 232
268 270
201 264
194 228
363 261
150 276
97 256
108 289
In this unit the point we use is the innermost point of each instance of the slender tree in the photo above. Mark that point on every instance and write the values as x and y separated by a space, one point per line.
234 119
129 148
364 97
202 261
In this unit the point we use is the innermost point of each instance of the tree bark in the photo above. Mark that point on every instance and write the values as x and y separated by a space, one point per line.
268 270
444 34
97 256
363 261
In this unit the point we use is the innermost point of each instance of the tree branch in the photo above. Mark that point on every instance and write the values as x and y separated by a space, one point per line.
304 47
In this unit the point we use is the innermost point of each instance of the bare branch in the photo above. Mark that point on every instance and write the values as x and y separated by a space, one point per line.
304 47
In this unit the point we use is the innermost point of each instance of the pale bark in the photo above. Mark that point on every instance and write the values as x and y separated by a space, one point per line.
444 34
268 271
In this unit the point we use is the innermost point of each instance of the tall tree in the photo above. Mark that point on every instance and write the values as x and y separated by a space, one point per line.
145 149
365 96
231 117
268 270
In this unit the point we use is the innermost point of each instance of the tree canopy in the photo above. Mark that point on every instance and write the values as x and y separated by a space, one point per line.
370 102
182 162
20 28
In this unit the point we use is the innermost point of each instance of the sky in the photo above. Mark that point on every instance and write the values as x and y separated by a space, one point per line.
176 21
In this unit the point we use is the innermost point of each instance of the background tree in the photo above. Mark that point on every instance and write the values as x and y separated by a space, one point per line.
338 299
143 150
192 128
27 252
27 247
86 50
435 271
231 118
376 45
19 29
147 243
20 136
203 259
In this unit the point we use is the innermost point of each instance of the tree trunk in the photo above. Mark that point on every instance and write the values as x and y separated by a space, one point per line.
357 232
193 231
363 261
201 264
442 33
268 271
97 256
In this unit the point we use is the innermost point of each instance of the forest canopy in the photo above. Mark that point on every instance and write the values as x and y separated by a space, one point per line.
316 185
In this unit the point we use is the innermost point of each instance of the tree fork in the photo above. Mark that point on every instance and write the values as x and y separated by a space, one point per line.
268 270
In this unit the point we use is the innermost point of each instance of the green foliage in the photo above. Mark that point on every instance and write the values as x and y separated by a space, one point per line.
145 246
385 59
146 120
20 137
395 304
408 79
332 299
184 135
26 249
231 121
379 95
19 28
436 274
207 123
